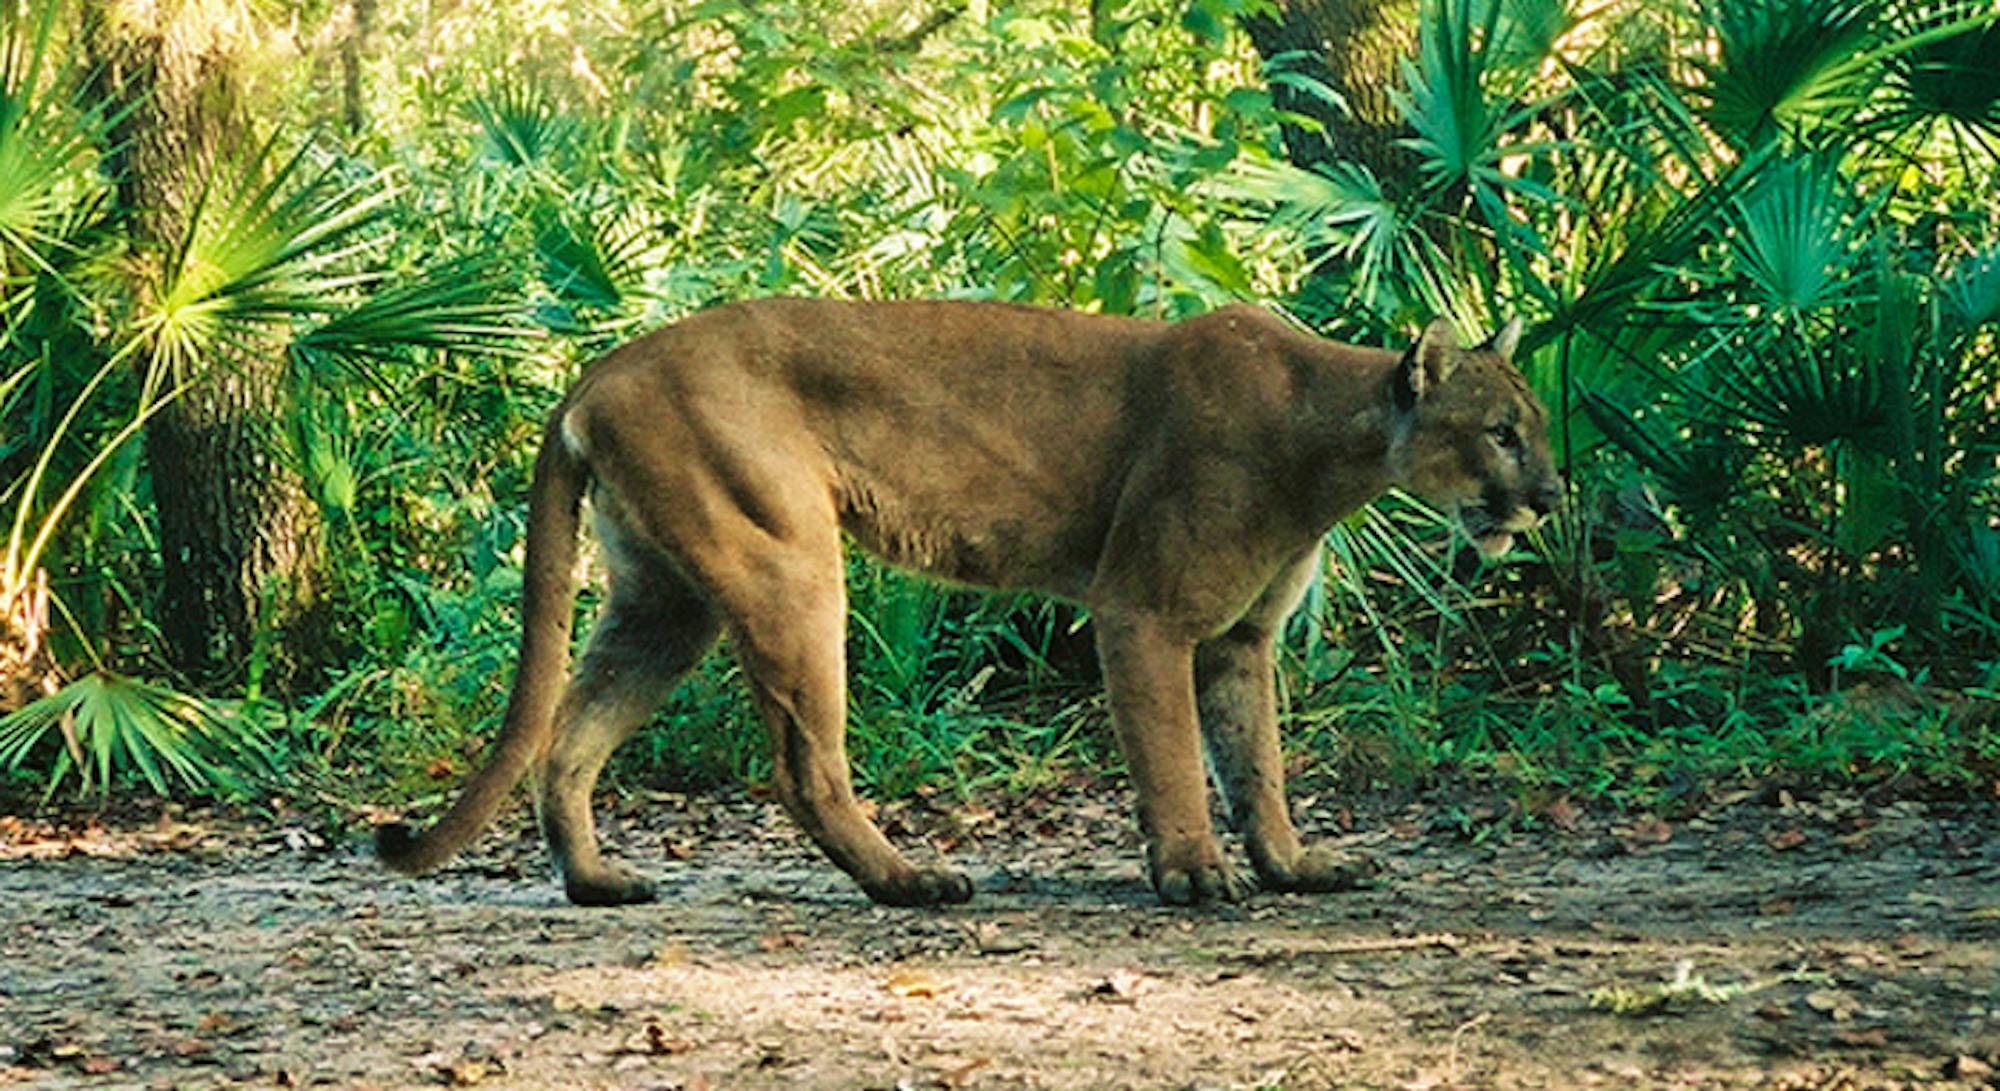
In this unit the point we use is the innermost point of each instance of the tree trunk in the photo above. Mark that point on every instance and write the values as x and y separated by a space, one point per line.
353 48
1355 47
241 541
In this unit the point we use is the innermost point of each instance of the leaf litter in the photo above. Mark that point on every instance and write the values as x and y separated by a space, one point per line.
1721 950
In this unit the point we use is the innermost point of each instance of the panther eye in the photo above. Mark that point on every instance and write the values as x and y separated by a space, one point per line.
1505 436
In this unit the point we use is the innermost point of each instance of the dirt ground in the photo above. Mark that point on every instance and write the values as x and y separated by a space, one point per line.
1772 941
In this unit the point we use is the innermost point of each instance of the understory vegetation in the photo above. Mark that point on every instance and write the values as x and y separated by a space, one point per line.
1756 244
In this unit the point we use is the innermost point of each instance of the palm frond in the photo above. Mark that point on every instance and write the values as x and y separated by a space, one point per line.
1375 540
1457 125
1527 31
1953 76
1788 388
49 144
1792 239
596 259
470 304
111 725
1785 63
276 245
521 127
1971 292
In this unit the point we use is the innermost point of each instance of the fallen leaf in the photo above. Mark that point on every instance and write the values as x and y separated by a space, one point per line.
1118 987
1650 830
99 1066
961 1075
439 769
1862 1038
991 939
1777 907
1967 1067
654 1041
1785 840
914 984
1563 813
465 1072
778 941
1832 1003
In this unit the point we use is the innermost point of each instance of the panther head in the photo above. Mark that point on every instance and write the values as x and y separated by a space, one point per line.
1471 438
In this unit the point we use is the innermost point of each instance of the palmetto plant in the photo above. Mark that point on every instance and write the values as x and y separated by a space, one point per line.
1810 348
50 201
63 427
1749 237
111 726
285 252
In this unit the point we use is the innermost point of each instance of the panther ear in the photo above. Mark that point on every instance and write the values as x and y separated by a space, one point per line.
1506 341
1428 363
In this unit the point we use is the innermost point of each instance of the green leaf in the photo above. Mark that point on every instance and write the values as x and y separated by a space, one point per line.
1457 127
1792 238
1971 292
1954 77
49 143
468 304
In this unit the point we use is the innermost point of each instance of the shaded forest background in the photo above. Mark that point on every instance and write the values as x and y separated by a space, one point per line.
285 291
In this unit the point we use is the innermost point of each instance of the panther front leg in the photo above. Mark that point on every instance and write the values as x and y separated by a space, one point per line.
1235 682
1148 675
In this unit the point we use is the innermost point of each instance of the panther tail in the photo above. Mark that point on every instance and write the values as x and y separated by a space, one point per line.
547 605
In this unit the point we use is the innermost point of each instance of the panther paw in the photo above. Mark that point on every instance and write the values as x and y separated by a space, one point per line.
921 887
610 884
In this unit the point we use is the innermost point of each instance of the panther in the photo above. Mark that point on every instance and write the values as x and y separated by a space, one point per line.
1175 479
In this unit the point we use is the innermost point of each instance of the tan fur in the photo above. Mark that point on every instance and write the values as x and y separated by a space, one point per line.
1175 479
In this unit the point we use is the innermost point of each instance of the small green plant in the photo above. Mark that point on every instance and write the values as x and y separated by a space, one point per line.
1684 991
1875 657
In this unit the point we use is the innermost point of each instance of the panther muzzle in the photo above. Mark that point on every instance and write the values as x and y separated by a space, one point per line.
1493 521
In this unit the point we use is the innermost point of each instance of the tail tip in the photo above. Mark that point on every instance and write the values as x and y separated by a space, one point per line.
396 845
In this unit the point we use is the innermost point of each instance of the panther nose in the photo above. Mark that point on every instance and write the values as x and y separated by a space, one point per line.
1548 498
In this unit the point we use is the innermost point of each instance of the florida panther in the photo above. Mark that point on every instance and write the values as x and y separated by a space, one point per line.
1175 479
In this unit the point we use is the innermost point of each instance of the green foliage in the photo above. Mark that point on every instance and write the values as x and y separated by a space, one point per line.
282 255
1753 240
1749 247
